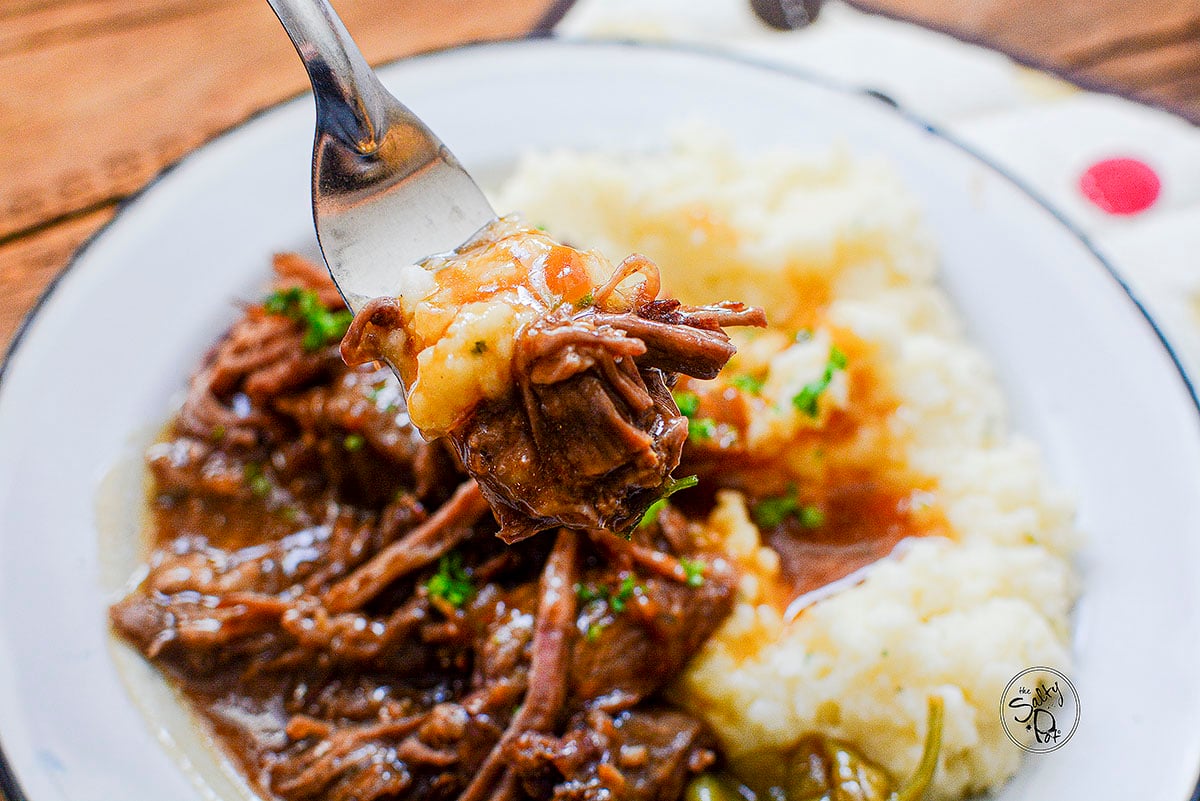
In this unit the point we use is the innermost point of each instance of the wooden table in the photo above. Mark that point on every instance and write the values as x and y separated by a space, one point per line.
101 94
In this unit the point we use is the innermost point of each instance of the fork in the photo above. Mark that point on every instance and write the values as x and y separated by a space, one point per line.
386 193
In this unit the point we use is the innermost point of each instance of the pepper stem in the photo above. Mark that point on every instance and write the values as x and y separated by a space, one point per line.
914 789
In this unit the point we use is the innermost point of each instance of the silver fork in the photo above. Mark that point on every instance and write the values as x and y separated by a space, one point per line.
386 193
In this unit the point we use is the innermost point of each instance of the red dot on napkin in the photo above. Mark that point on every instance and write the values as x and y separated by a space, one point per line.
1121 186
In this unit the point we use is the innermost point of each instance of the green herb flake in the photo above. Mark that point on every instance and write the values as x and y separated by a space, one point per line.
806 400
628 587
258 483
748 383
451 582
587 300
811 517
672 486
321 325
701 429
353 442
771 512
616 601
693 569
217 433
588 593
593 631
688 402
479 348
652 513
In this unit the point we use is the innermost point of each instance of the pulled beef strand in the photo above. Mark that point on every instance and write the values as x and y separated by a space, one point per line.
291 595
589 434
547 673
436 537
592 433
642 755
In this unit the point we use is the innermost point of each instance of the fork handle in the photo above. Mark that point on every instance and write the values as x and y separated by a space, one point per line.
351 103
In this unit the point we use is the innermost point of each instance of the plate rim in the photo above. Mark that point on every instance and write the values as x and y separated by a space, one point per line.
543 36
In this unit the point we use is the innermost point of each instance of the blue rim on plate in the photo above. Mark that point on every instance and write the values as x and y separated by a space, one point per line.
9 787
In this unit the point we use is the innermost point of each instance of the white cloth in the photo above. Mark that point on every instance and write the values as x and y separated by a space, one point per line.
1040 129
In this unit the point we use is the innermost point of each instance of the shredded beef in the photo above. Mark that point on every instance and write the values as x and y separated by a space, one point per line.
592 432
589 433
327 588
643 755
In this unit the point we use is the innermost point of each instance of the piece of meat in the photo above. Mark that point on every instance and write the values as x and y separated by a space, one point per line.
327 590
629 654
643 755
588 439
591 434
449 526
547 672
568 420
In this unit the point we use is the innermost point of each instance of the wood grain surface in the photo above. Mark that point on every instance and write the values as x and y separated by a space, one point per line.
96 96
1148 50
99 95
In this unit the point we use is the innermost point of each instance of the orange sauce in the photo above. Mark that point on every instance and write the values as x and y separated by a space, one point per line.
566 275
852 496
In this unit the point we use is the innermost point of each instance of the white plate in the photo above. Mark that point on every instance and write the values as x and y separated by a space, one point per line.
93 372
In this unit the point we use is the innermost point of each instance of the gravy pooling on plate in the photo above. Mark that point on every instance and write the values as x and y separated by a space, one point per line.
326 587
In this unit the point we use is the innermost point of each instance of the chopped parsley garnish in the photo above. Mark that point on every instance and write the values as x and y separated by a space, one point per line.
701 428
616 601
693 569
479 348
806 400
321 326
587 593
672 486
771 512
587 300
451 582
593 631
811 517
748 383
217 433
688 402
258 483
652 513
353 442
623 594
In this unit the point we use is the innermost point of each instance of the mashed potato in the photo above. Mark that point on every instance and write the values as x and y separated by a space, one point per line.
458 315
832 246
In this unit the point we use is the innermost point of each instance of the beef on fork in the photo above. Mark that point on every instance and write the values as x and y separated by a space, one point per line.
565 417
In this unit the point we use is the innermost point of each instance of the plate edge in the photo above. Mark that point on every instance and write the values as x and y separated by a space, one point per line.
542 32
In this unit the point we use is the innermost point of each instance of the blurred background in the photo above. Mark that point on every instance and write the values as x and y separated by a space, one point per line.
1091 102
